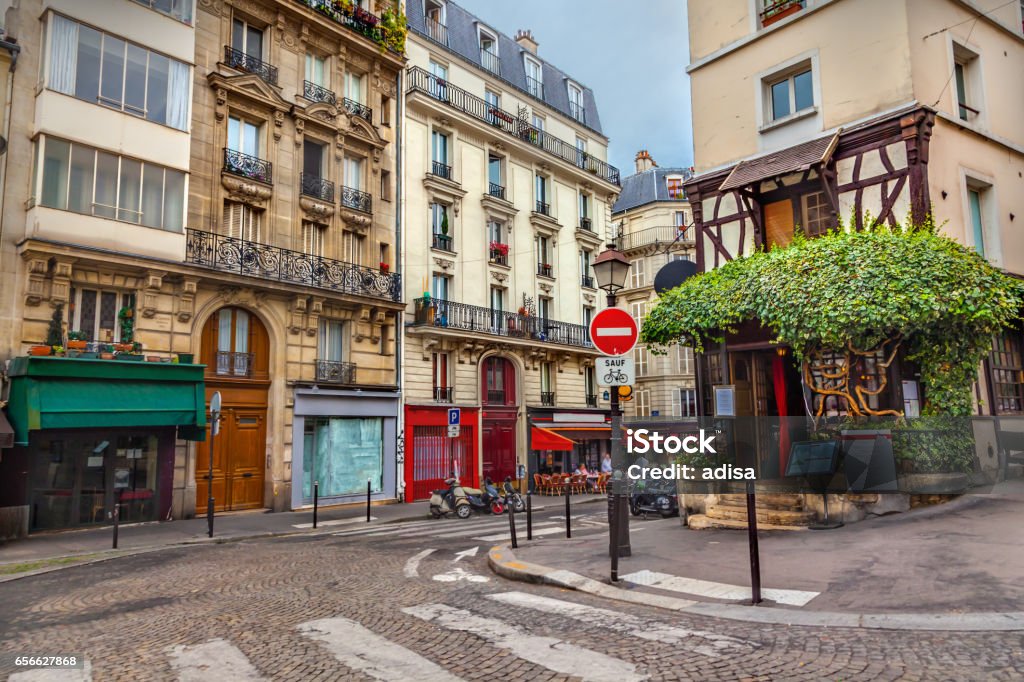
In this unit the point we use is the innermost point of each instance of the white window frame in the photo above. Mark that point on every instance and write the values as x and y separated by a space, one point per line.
969 58
528 62
684 359
787 69
312 59
641 360
481 34
972 180
76 321
643 403
691 404
580 112
637 274
329 328
814 228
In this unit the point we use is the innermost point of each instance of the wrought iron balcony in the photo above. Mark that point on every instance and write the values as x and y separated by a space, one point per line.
535 87
591 400
586 224
420 80
356 109
237 59
334 372
251 167
496 190
356 199
544 269
234 364
489 61
436 31
443 394
433 312
499 258
654 236
547 398
318 93
577 111
443 242
542 208
497 396
231 254
587 281
318 188
441 170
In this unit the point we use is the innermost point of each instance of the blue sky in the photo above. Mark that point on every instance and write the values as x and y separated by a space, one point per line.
632 54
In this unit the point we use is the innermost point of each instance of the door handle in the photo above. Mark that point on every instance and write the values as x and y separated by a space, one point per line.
247 474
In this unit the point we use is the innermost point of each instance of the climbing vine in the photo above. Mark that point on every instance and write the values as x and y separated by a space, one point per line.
848 294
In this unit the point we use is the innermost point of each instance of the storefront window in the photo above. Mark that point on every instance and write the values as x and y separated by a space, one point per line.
342 454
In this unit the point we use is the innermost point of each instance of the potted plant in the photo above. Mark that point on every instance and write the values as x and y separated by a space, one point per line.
777 10
384 267
58 351
55 331
77 340
107 351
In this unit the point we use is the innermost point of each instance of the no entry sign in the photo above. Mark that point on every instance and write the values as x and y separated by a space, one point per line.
614 331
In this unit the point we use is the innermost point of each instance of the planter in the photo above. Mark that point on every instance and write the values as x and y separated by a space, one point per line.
87 355
782 14
152 358
130 357
186 358
124 347
40 350
77 345
106 356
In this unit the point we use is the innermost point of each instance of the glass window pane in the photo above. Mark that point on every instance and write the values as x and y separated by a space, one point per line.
135 80
112 85
156 95
80 195
780 99
55 173
108 310
803 90
254 43
87 314
312 158
250 139
174 201
238 34
224 331
234 133
152 195
241 331
974 199
87 78
106 185
130 190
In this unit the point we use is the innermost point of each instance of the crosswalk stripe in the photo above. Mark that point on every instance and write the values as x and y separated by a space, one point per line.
216 658
473 532
83 674
548 652
505 536
708 643
371 654
707 588
334 522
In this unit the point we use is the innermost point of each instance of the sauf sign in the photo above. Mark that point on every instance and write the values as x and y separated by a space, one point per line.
615 371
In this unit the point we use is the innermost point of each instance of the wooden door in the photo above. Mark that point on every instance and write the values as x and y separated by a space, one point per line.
778 223
245 460
220 501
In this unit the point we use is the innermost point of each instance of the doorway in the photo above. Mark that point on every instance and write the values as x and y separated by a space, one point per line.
500 417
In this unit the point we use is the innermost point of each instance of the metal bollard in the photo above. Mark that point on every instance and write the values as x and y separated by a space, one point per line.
367 500
755 559
316 500
512 524
568 515
613 538
117 516
529 516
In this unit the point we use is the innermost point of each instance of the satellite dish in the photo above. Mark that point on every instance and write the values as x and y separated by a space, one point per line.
673 274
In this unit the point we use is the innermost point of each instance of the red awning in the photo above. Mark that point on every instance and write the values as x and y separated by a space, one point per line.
542 439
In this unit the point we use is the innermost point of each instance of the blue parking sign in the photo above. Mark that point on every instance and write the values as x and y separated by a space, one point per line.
454 414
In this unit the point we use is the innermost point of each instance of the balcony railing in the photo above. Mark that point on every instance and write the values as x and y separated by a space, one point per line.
542 208
654 235
489 61
498 257
777 10
436 31
587 281
423 81
435 312
316 187
535 87
544 269
443 394
334 372
591 400
441 170
443 242
496 190
586 224
356 109
251 167
231 254
496 396
354 18
234 364
577 111
356 199
547 398
318 93
237 59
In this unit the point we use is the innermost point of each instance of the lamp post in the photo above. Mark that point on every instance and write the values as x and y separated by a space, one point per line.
610 269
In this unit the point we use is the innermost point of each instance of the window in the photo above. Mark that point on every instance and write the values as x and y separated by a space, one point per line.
247 38
86 180
233 342
495 232
439 149
686 398
543 245
588 316
441 230
967 75
637 277
679 219
546 386
439 82
94 312
581 152
674 183
385 253
331 345
354 87
590 386
584 208
586 272
313 238
243 136
242 221
576 109
316 70
817 214
176 9
544 307
974 203
441 287
493 101
352 247
640 360
1007 373
791 94
537 122
489 52
540 189
441 377
643 403
313 158
354 173
385 111
494 175
100 68
385 185
435 18
341 454
685 359
534 77
638 311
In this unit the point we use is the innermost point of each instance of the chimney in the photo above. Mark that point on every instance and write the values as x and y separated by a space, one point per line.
644 161
526 41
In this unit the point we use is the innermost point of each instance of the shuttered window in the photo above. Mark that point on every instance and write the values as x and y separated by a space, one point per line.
242 221
313 238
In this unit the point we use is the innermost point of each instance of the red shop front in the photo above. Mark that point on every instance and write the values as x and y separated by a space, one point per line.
431 456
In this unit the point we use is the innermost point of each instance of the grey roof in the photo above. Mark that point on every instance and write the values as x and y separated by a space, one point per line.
462 40
647 187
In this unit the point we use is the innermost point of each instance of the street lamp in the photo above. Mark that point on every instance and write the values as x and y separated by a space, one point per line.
611 268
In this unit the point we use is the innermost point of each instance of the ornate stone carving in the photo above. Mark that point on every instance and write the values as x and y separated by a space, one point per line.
589 298
250 193
316 309
357 222
186 298
60 287
443 263
300 129
278 123
232 295
35 286
316 211
498 276
545 287
221 102
151 293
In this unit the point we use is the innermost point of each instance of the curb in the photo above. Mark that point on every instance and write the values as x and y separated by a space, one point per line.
502 561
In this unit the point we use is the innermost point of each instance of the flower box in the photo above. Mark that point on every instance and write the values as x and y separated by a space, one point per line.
40 350
779 11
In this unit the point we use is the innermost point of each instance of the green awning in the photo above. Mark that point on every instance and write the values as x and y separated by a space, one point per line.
76 393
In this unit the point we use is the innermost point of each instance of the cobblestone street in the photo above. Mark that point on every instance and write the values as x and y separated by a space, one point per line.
349 606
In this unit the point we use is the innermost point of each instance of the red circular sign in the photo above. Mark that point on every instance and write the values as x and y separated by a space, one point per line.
613 331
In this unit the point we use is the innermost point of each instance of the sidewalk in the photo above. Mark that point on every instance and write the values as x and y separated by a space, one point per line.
73 546
963 557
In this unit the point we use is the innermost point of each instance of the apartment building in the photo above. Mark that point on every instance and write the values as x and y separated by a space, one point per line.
653 226
508 203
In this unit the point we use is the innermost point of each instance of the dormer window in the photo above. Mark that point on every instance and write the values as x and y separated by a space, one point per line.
576 109
488 51
434 21
534 77
675 187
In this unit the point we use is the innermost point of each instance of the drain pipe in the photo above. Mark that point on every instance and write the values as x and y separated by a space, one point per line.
399 262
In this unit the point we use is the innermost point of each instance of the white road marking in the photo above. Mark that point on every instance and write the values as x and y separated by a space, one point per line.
371 654
458 573
700 641
548 652
480 529
83 674
465 553
334 522
522 531
412 566
707 588
217 658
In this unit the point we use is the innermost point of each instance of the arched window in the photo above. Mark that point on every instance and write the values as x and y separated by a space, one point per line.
235 344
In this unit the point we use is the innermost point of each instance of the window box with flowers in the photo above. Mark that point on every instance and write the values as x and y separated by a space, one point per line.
385 267
777 10
499 253
77 340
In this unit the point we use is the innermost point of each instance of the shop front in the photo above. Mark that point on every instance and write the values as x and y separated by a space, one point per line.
342 440
560 441
90 434
431 455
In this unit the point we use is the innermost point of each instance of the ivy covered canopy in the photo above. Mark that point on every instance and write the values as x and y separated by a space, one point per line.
853 291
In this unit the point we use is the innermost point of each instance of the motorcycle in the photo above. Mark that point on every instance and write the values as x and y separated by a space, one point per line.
654 497
512 497
451 499
486 498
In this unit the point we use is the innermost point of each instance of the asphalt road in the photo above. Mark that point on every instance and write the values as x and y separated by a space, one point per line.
417 601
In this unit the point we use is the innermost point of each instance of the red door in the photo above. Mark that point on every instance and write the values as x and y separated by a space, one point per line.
499 443
431 456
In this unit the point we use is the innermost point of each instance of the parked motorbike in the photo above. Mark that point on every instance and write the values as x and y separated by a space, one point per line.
654 497
485 499
512 497
451 499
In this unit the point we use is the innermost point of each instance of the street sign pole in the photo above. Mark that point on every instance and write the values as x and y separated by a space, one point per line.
215 403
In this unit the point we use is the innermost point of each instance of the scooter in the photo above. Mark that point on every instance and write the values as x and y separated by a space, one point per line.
450 499
512 497
481 499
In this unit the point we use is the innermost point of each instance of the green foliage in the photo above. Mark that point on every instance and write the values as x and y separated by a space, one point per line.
126 318
859 288
393 30
937 444
55 331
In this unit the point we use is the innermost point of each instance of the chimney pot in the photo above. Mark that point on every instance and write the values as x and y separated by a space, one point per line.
526 40
644 161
